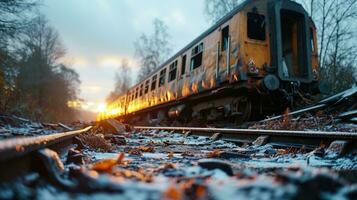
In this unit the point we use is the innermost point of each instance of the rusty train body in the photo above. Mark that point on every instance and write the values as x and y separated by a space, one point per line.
257 59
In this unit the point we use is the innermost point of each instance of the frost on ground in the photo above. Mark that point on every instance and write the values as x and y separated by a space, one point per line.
168 165
13 126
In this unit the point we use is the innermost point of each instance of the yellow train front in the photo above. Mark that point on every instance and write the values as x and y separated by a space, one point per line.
255 60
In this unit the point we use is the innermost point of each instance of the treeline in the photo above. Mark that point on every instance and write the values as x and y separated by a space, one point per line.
34 83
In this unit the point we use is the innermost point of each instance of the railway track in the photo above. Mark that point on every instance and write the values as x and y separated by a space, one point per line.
18 155
308 139
154 148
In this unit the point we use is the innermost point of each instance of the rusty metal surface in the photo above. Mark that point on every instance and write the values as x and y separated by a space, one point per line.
16 147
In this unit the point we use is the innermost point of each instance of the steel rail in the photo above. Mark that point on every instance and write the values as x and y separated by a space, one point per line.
16 147
19 156
276 137
336 135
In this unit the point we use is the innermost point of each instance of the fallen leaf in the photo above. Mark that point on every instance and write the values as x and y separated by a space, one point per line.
214 154
187 154
106 165
139 175
148 149
170 155
135 151
201 192
172 193
121 157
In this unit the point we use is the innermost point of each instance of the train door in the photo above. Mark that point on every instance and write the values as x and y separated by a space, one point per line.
182 76
291 50
223 53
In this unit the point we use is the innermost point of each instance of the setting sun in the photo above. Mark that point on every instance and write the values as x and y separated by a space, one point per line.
101 107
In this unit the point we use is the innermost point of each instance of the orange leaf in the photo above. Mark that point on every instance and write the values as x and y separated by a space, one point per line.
172 193
214 154
170 155
135 151
147 149
201 192
105 165
121 157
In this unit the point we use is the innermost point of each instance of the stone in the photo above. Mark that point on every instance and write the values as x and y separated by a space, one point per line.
212 164
338 148
230 155
215 136
113 126
75 157
116 139
262 140
315 186
320 151
188 133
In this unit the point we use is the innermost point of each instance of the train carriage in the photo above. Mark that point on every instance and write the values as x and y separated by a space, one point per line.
253 61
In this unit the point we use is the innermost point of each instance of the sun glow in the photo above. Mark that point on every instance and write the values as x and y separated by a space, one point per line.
96 107
101 107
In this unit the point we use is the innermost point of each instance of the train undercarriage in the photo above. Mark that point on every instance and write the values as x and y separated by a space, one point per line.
230 104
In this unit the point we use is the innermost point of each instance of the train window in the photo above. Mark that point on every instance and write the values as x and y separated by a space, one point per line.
256 26
146 90
173 71
141 90
136 92
162 77
183 65
196 56
225 36
312 40
153 82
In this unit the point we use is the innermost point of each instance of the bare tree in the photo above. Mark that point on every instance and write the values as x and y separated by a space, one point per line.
44 84
33 82
14 16
216 9
337 33
152 50
123 81
71 79
43 38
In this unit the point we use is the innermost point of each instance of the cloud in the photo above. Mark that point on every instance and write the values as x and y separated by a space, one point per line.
178 17
99 34
112 61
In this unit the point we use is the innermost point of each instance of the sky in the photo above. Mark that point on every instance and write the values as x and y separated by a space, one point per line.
98 34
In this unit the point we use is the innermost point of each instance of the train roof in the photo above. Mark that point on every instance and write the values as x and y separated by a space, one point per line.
199 38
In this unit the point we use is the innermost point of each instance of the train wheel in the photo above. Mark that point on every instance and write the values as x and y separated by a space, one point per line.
243 109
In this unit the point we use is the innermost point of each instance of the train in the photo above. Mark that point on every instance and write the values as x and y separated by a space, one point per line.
260 58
